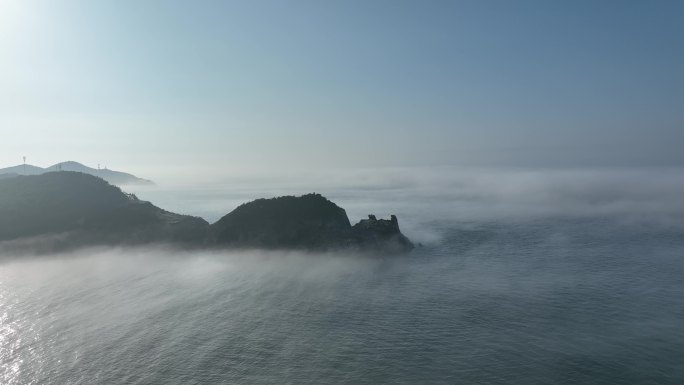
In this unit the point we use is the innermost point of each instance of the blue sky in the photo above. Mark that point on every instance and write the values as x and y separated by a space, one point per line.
148 85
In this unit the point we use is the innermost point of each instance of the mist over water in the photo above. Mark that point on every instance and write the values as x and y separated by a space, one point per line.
525 277
423 197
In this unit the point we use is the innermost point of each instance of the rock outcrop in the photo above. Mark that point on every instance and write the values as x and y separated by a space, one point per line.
381 234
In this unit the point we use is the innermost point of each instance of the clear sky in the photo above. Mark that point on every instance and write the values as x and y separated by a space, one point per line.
155 85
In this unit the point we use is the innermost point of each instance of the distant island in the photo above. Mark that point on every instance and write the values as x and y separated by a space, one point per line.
114 177
57 211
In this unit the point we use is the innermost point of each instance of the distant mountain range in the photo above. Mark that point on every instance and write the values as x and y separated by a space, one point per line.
8 175
113 177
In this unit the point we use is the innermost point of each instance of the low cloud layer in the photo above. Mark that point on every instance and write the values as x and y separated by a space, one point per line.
421 195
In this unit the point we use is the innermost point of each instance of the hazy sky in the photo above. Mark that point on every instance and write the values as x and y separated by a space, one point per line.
159 85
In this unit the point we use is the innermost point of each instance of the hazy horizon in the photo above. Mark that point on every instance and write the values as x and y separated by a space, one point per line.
173 87
504 184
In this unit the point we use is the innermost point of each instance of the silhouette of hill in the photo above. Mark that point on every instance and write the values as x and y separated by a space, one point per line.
306 222
86 210
309 221
22 169
111 176
67 209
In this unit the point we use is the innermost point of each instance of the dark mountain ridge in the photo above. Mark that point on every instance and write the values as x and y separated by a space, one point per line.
86 210
62 210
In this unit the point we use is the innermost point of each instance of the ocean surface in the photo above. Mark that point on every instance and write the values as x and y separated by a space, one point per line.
532 278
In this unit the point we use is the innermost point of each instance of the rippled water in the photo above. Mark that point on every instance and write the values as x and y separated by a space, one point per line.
544 300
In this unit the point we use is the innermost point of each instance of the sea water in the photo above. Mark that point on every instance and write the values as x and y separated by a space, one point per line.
503 290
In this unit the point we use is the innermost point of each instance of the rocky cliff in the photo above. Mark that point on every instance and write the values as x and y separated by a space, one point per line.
381 234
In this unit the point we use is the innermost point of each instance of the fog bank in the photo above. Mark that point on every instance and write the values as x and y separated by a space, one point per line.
420 196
